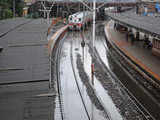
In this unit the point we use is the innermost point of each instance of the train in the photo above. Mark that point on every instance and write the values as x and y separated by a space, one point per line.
80 20
116 9
110 10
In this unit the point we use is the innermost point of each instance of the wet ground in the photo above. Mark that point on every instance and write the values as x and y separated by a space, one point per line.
82 98
10 24
138 80
79 99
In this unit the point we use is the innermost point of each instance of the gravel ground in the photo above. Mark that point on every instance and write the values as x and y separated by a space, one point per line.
85 79
148 103
122 101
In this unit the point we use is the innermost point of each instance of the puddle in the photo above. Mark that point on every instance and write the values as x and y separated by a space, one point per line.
114 113
73 107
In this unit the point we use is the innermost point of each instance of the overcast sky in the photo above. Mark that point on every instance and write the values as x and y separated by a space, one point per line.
115 0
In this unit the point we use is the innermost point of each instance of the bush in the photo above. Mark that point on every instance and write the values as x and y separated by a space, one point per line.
7 14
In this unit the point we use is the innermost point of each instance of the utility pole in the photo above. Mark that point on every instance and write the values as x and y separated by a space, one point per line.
93 34
14 9
94 21
47 10
94 30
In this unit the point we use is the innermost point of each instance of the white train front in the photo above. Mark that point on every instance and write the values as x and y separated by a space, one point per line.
79 20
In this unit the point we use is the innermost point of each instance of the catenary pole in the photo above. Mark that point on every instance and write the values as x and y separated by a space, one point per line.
94 21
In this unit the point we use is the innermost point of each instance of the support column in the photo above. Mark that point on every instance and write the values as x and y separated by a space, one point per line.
137 36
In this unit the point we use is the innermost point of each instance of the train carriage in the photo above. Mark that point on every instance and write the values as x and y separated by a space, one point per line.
79 20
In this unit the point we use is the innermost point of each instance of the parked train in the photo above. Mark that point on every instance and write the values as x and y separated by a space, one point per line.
80 20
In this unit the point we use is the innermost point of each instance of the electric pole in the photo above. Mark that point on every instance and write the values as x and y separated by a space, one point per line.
94 21
14 9
93 39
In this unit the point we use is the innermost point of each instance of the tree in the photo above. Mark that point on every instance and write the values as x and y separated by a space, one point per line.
6 11
7 8
19 7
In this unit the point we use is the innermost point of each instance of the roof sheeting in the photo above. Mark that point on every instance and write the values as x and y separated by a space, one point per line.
148 24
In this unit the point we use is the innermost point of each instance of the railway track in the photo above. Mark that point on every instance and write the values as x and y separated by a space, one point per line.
140 80
138 104
87 82
145 115
134 100
60 90
60 85
58 79
142 110
56 62
55 77
78 87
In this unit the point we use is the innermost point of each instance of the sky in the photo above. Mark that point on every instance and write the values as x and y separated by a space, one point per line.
104 0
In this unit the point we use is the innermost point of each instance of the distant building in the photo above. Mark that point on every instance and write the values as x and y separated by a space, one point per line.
150 0
29 2
149 7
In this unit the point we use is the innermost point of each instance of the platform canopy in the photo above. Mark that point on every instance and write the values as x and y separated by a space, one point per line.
146 24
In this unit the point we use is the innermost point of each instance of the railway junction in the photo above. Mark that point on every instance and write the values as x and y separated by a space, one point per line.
48 72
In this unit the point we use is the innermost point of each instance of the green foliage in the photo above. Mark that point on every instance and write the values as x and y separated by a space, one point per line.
19 8
8 13
6 3
7 8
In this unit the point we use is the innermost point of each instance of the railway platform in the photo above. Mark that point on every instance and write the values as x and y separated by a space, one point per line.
24 71
141 73
140 55
147 24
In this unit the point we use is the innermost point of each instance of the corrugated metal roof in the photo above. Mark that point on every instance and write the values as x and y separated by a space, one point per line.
25 55
148 24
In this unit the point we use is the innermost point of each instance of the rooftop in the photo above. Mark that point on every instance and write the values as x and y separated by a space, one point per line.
147 24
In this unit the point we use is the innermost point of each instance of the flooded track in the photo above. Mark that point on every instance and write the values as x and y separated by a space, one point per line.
107 98
133 103
55 82
120 95
77 102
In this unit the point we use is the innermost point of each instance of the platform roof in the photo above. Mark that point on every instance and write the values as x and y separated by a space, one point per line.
147 24
25 56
